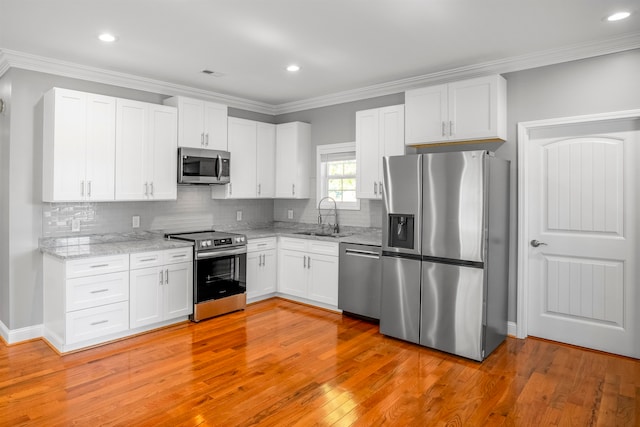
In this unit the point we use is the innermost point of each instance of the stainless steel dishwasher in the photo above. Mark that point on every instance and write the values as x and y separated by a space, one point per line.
360 278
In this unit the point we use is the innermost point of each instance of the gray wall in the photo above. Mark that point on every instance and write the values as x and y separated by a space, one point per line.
5 299
595 85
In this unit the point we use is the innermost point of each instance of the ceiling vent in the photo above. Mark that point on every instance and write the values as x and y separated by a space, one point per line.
212 73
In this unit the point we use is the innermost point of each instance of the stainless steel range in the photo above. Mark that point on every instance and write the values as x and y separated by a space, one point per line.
219 272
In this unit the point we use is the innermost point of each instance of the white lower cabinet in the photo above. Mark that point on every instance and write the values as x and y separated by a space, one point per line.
308 270
261 268
161 286
90 301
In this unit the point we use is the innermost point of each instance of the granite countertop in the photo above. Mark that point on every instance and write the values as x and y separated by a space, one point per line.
107 244
357 235
124 243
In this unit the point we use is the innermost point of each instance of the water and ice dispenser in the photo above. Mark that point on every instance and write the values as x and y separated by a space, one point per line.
401 231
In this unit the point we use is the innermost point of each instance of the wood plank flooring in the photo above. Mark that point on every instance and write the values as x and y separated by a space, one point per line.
284 364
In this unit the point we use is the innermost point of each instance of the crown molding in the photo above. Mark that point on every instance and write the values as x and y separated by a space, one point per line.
517 63
14 59
26 61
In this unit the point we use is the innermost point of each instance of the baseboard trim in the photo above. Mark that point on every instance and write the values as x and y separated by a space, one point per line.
512 329
16 336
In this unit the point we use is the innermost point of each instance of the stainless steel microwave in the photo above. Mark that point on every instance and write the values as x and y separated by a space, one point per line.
203 166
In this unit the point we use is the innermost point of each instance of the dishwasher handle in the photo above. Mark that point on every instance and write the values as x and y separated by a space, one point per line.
361 253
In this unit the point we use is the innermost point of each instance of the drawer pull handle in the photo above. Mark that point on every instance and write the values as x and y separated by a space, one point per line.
97 291
180 256
148 259
99 266
99 322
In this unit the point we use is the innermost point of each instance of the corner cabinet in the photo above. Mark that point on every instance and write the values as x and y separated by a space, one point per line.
379 133
308 271
261 269
201 124
146 151
293 157
78 146
468 110
252 148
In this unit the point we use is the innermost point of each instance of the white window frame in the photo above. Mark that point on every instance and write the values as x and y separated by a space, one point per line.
321 187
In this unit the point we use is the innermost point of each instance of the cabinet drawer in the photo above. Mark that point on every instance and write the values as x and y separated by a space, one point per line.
146 259
93 291
324 248
261 244
97 265
293 244
83 325
172 256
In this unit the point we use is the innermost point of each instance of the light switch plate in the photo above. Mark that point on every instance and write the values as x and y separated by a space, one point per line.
75 225
238 215
290 214
135 221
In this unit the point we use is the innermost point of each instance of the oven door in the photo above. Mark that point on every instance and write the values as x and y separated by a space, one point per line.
219 274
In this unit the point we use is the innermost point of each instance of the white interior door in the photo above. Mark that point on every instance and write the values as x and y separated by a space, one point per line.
583 235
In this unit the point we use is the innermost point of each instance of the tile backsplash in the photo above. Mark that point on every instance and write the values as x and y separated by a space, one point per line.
194 209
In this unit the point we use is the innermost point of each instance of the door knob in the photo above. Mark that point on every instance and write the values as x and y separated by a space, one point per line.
536 243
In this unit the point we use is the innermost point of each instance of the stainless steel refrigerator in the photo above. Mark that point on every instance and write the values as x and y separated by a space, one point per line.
445 251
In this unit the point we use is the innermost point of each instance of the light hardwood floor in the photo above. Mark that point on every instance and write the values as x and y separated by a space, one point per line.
279 364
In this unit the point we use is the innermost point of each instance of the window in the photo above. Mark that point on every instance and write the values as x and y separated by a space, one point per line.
337 174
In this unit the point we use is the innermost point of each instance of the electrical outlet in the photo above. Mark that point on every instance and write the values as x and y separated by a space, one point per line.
75 225
290 214
135 221
238 215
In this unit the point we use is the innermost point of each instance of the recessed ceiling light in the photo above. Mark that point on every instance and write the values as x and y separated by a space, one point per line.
618 16
106 37
293 68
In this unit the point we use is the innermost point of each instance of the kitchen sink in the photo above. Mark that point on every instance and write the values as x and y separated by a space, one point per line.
321 233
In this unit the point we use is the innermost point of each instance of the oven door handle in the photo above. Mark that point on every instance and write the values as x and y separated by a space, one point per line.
220 253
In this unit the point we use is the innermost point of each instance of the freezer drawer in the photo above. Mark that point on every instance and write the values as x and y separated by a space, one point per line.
359 279
400 302
452 305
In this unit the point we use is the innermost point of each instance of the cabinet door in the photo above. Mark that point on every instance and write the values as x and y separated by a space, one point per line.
426 115
266 160
293 152
162 149
242 146
473 108
368 156
323 279
191 126
215 126
132 182
254 261
146 296
268 273
178 290
292 273
101 148
64 150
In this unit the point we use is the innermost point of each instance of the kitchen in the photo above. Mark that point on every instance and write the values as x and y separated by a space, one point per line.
559 90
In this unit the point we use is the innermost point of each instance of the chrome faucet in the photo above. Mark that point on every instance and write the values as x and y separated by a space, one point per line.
333 212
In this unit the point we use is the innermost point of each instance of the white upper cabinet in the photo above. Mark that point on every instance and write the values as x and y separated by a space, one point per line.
379 133
293 152
201 124
252 148
146 150
468 110
78 146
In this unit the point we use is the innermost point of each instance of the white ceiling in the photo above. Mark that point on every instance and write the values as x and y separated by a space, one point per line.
341 45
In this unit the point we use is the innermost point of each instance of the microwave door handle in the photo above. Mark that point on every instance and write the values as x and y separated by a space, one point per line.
219 167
